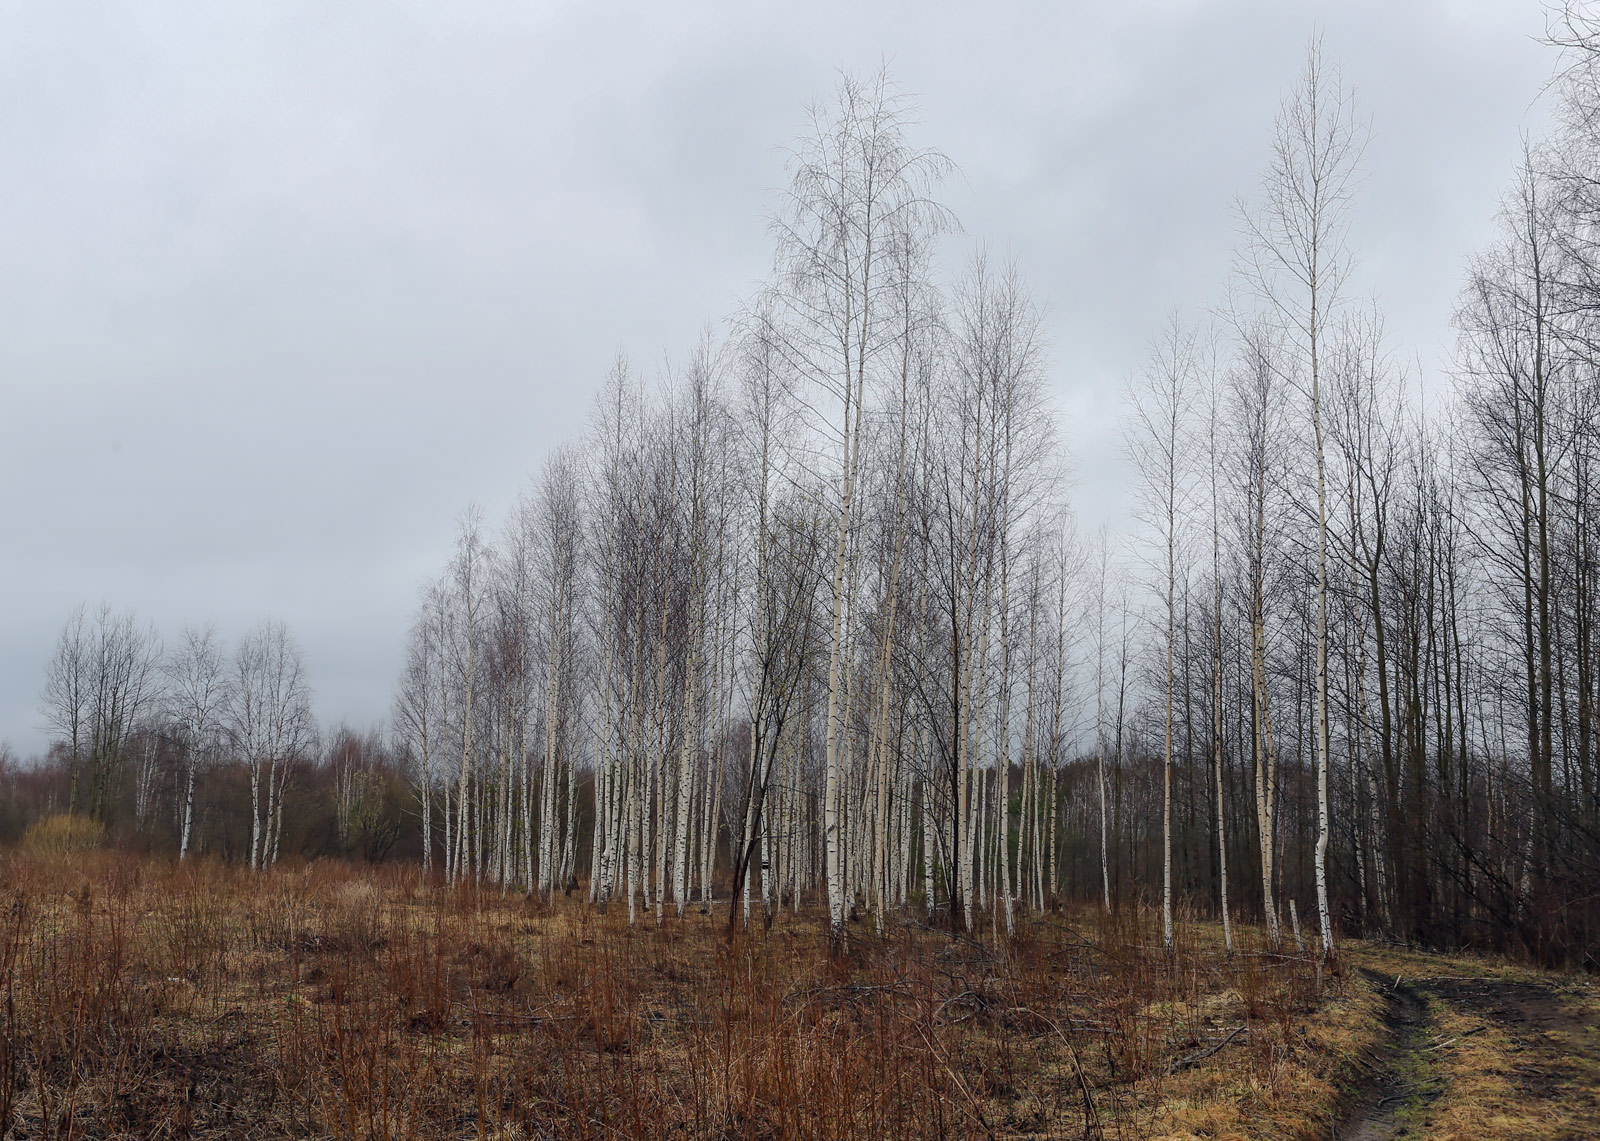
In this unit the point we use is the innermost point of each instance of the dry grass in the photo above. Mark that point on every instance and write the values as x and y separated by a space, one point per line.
149 1000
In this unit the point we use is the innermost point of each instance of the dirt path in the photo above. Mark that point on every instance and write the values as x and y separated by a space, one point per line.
1481 1056
1399 1086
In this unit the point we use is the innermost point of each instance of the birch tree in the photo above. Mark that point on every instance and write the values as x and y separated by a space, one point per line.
68 684
198 684
102 684
1158 446
1213 395
468 582
1297 261
271 719
857 187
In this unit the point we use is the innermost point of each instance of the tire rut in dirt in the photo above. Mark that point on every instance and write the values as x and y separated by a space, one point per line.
1398 1083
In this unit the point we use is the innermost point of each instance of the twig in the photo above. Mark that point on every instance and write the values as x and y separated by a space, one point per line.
1201 1055
977 1001
1457 1038
1460 979
897 989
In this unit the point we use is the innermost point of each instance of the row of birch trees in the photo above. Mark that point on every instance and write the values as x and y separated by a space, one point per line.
1369 684
803 615
799 610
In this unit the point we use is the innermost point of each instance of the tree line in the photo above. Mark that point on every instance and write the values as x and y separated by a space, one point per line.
805 614
193 748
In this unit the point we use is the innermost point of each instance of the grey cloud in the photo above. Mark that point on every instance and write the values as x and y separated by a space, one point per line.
285 286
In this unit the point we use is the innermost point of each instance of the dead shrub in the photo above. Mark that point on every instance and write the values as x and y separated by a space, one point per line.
62 835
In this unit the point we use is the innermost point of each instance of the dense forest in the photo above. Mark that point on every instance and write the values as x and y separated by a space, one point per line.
806 615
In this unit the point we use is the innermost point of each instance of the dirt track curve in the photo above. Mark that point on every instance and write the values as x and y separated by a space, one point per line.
1485 1057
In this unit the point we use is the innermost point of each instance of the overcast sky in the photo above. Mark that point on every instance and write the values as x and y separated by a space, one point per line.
284 286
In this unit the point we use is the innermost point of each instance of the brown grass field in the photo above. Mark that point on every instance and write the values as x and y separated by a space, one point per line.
149 1000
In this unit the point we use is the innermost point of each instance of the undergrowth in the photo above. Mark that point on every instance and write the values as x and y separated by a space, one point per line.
157 1000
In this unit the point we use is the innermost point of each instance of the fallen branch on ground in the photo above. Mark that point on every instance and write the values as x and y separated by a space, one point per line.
1188 1060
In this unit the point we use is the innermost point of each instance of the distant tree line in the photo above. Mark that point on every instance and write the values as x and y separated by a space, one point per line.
805 614
190 748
